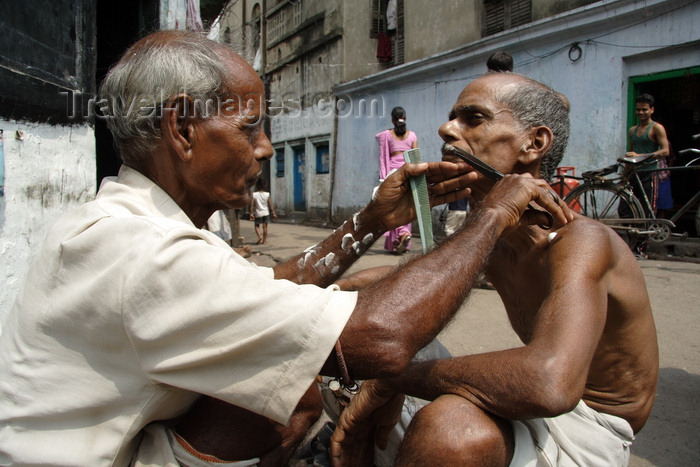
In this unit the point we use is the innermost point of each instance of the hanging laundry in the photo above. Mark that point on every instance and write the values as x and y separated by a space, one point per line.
384 48
194 20
391 18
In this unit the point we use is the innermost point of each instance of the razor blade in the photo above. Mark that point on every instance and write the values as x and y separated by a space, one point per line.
490 172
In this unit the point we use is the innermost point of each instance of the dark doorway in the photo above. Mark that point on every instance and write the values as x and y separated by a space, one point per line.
677 108
299 178
119 24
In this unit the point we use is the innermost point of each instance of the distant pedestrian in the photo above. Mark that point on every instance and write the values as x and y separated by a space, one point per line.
499 62
261 209
392 144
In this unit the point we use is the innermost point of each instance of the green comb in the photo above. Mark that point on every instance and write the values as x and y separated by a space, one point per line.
419 190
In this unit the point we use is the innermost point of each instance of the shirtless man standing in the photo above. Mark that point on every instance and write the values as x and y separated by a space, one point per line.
584 381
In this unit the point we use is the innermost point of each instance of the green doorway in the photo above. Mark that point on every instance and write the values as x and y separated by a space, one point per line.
677 108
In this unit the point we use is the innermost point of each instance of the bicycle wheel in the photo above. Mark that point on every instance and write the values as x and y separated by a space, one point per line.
608 203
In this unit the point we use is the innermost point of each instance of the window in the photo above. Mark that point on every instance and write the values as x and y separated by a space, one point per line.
377 17
323 164
505 14
279 162
379 26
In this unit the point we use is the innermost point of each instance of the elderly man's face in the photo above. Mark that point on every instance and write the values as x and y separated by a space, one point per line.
230 147
484 127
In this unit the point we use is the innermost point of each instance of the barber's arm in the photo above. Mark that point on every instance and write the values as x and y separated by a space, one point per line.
404 311
363 278
444 278
547 376
324 263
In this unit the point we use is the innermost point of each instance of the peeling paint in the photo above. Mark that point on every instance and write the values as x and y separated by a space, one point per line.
48 172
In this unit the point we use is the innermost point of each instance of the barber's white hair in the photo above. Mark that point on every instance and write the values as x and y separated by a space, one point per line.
150 74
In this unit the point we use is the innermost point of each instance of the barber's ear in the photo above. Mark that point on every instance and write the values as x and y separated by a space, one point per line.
177 125
537 144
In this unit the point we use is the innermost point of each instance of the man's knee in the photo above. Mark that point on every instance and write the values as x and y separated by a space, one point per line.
457 432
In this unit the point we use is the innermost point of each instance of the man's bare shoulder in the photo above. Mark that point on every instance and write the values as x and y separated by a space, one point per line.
598 252
593 247
584 235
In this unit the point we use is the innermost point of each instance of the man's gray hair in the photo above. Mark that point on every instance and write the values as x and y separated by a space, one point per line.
533 104
148 75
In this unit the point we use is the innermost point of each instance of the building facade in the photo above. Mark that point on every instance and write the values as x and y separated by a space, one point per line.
302 49
334 69
599 55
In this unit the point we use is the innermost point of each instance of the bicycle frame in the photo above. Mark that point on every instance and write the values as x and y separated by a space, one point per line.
658 229
645 199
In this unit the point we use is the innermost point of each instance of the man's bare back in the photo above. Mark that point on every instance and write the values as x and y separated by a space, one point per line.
624 370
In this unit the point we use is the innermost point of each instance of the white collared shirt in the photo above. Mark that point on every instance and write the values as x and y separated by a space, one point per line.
129 312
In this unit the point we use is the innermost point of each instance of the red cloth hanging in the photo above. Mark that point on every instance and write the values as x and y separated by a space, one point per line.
384 48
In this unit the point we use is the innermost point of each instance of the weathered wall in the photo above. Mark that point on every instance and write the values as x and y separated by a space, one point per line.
636 38
49 171
431 27
545 8
360 50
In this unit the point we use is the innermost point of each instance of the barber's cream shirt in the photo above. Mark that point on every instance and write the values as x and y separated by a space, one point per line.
129 312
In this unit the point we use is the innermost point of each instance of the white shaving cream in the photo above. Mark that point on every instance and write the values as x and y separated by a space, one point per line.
348 240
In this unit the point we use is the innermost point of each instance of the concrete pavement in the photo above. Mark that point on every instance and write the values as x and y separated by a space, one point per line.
671 437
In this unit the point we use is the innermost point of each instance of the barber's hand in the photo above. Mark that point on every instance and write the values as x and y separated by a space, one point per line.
521 200
392 204
368 420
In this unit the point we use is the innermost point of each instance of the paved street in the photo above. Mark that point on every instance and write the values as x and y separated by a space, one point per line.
671 437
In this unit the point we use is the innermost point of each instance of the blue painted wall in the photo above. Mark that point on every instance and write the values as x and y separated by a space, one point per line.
617 40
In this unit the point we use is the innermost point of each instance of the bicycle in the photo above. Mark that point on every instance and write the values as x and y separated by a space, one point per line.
607 195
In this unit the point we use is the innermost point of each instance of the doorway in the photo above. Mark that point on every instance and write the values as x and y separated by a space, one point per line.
299 178
677 108
119 24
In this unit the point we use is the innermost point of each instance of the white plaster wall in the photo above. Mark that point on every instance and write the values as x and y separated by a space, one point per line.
49 171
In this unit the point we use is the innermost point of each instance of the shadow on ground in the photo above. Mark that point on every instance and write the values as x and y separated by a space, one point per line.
676 409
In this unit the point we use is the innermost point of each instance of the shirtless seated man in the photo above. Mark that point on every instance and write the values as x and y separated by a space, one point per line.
584 381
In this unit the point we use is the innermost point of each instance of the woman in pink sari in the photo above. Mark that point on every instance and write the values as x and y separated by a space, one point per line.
392 144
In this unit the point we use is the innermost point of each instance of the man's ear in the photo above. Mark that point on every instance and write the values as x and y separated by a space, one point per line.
536 145
177 125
